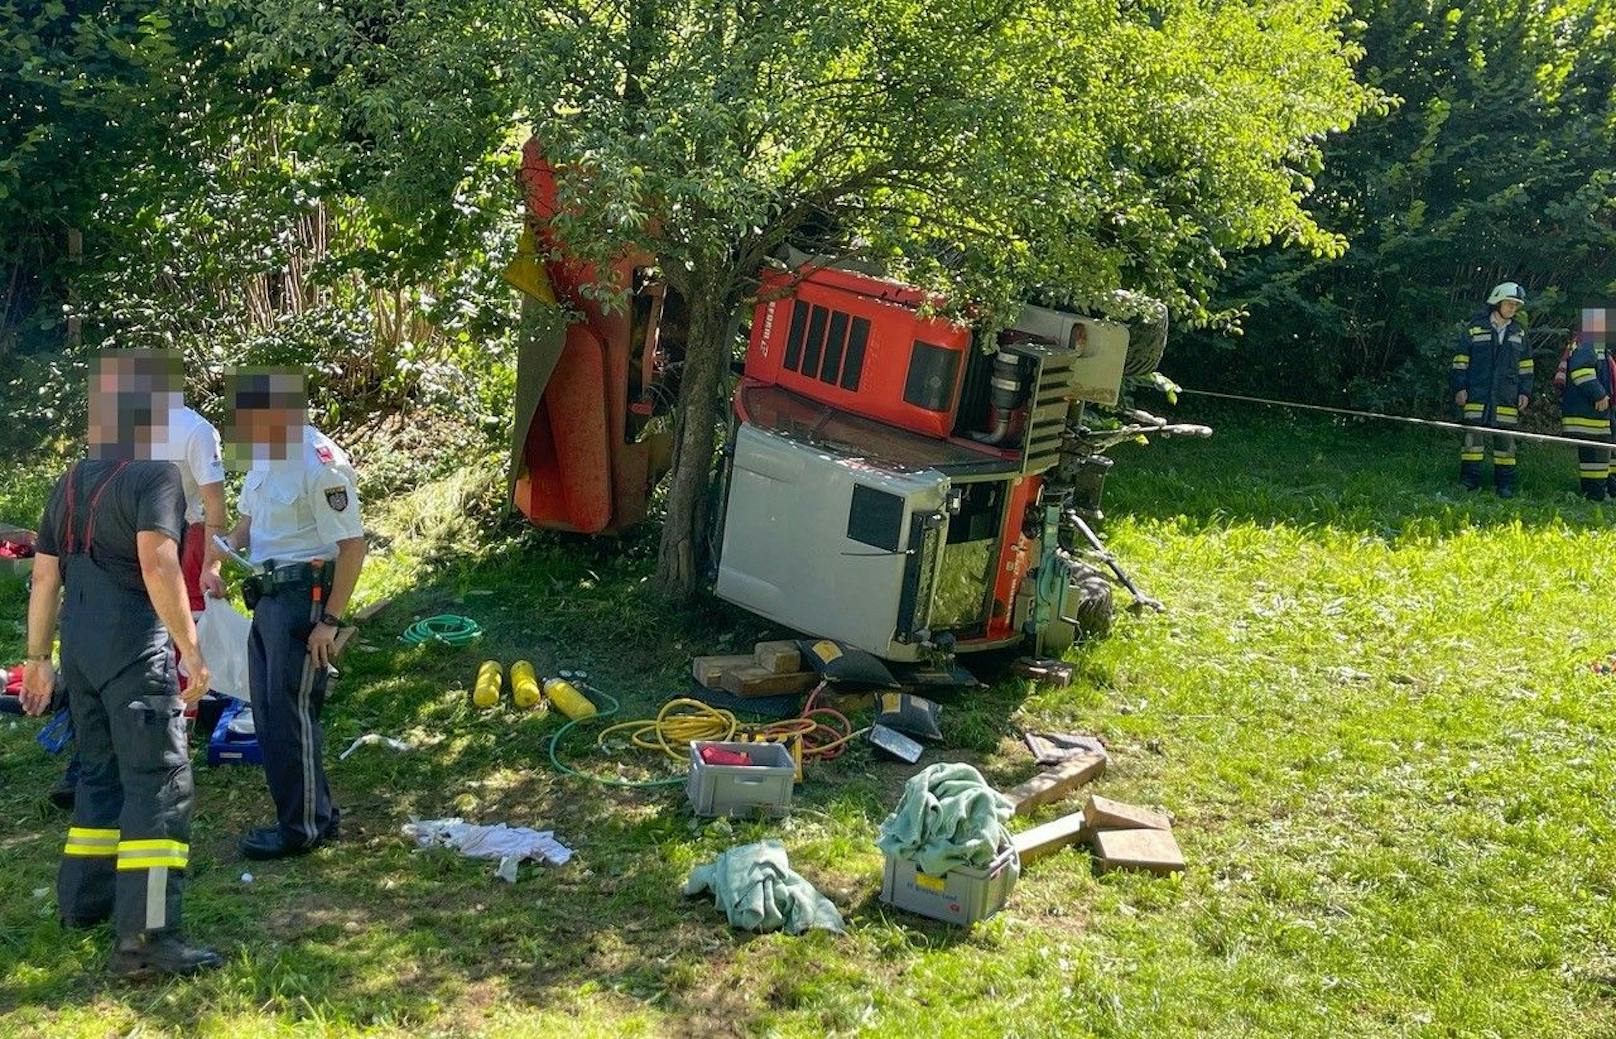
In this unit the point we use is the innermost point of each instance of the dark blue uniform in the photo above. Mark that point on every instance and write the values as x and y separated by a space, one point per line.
1588 382
128 846
1494 368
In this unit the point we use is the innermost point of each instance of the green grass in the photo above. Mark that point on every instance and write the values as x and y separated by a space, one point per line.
1369 708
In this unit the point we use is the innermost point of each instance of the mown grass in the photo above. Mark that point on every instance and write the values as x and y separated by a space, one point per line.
1369 708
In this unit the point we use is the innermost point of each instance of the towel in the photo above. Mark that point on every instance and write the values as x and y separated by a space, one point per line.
757 889
948 816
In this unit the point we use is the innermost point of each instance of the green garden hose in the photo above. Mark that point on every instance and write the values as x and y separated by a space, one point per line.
555 759
445 628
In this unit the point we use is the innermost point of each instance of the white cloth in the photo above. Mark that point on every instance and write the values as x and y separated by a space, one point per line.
222 634
192 444
303 505
489 842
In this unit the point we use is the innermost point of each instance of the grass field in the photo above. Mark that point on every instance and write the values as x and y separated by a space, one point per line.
1370 709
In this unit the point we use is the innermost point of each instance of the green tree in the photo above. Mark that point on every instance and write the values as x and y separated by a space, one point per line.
985 150
1497 162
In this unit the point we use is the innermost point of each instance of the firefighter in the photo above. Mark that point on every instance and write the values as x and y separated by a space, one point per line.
299 520
108 567
192 443
1585 405
1491 381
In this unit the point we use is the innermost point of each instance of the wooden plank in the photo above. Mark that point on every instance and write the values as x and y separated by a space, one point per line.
1103 813
372 610
752 680
1056 783
1043 669
1051 837
709 671
780 657
339 645
1154 851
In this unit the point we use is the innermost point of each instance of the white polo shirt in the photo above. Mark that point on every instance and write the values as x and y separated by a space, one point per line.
193 445
303 505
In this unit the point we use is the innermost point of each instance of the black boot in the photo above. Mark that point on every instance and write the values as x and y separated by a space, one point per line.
1470 475
1504 480
268 842
1593 490
160 952
66 789
1610 486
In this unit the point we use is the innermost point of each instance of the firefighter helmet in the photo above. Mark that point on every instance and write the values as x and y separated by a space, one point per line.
1506 290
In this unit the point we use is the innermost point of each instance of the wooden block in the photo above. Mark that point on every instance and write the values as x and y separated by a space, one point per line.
1056 783
372 610
1152 850
752 680
781 657
1051 837
709 671
1044 669
1103 813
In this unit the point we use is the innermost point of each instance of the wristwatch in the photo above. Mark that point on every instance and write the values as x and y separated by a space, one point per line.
331 621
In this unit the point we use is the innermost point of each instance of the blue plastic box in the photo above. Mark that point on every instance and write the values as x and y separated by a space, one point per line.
231 748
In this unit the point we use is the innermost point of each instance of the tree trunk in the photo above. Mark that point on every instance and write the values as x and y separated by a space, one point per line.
682 556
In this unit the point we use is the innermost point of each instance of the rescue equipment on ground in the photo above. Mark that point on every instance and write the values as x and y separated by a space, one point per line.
525 690
948 852
909 713
896 744
234 741
760 784
490 679
568 700
448 629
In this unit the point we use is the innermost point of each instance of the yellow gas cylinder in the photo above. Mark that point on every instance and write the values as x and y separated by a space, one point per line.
489 678
568 699
525 690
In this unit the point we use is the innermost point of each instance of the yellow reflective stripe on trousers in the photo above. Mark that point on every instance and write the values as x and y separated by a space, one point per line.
90 842
1503 459
1506 410
153 852
1573 422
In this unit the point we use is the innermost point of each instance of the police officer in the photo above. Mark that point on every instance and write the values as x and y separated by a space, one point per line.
108 567
1585 406
1491 381
300 522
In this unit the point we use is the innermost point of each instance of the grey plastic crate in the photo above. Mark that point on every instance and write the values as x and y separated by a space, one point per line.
762 788
961 896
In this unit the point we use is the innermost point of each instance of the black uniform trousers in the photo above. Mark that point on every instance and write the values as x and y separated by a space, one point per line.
288 692
128 846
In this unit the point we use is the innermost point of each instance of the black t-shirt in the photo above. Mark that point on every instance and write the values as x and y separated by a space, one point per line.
143 496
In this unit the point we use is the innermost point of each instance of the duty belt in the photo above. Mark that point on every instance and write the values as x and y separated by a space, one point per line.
288 577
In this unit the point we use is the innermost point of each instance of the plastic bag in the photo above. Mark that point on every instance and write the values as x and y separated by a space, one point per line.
222 634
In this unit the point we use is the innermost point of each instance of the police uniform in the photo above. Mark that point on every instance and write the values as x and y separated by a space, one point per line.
299 508
1494 368
127 849
1589 380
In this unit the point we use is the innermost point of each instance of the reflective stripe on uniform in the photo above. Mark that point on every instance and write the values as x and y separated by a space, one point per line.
1500 458
1591 469
1472 456
90 843
153 852
1599 424
1582 375
1525 366
1473 409
1504 409
1461 361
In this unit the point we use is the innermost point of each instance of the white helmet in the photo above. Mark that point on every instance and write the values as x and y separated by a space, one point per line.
1506 290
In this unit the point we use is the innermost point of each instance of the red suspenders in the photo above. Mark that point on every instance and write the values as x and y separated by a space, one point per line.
71 542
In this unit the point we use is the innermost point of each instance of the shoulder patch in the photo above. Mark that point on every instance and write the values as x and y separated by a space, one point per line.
337 498
324 454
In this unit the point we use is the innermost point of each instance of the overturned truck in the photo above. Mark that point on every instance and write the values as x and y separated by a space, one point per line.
889 480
